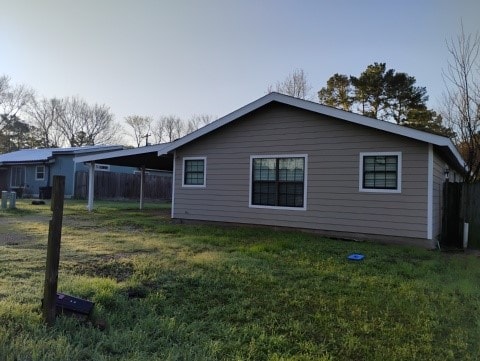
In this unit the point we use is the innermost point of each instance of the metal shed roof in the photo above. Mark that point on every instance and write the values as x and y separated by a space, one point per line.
46 154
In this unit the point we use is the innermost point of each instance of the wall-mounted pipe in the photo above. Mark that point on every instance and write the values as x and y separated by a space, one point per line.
465 235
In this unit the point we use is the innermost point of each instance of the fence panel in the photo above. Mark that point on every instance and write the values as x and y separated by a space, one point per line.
452 220
110 185
471 208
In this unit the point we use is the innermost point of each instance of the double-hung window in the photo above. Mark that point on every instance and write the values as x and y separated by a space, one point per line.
278 181
380 172
194 172
40 172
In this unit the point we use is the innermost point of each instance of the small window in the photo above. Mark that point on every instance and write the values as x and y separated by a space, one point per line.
194 174
380 172
40 172
102 167
278 182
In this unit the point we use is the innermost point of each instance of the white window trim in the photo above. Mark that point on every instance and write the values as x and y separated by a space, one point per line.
204 185
305 178
377 190
36 173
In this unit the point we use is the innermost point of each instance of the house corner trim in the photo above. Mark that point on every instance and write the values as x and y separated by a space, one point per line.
430 193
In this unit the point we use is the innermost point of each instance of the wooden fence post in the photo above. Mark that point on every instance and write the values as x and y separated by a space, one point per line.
53 250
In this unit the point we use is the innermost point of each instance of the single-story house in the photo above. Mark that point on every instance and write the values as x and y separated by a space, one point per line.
286 162
31 171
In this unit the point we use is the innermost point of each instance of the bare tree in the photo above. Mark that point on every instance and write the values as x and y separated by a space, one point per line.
462 98
4 86
70 121
198 121
168 128
82 124
16 98
295 85
13 99
44 114
100 126
140 126
157 130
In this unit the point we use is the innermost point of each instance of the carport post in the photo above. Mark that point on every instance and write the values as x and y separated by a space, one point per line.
142 180
91 185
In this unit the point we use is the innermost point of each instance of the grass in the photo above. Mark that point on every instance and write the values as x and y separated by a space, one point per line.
189 292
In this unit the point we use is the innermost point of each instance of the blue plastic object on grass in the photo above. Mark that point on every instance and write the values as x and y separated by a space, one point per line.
356 257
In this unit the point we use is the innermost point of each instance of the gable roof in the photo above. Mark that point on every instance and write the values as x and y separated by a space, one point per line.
46 154
444 143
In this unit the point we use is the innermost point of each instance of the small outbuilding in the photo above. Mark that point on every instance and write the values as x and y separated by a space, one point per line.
29 172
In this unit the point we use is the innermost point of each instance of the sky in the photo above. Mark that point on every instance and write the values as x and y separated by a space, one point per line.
186 57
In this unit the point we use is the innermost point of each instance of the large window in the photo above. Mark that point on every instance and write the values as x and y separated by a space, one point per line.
380 172
194 174
18 177
40 172
278 181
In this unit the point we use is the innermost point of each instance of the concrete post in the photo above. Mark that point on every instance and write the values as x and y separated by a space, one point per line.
13 200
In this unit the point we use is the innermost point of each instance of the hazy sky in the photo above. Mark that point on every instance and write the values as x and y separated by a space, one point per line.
155 57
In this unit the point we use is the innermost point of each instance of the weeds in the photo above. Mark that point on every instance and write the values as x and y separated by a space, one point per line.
178 292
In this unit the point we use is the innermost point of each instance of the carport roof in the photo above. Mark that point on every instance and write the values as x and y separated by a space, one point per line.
150 157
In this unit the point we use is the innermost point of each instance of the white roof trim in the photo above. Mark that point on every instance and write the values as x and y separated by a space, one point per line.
320 109
122 153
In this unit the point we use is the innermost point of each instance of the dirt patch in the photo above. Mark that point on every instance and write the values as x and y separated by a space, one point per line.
9 234
118 269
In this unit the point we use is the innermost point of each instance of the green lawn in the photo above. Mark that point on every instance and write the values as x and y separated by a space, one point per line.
185 292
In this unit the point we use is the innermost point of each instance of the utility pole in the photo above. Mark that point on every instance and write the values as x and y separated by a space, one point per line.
146 138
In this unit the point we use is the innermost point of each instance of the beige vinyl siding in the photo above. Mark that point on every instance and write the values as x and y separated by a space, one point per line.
334 202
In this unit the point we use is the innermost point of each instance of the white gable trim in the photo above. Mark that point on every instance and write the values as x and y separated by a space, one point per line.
320 109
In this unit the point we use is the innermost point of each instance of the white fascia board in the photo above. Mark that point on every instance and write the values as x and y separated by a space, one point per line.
377 124
324 110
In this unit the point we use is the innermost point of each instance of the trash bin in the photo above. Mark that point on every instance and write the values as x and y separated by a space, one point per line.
5 196
45 192
18 191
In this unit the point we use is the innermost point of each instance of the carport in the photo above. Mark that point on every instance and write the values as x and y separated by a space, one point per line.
154 157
